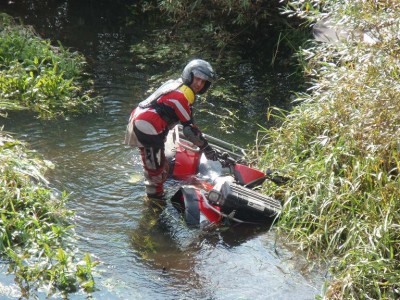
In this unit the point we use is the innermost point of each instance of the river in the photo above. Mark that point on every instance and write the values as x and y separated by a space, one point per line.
143 254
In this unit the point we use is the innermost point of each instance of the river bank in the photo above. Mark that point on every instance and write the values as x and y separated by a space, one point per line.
340 146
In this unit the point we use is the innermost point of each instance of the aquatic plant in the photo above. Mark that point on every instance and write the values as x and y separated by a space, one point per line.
340 146
36 236
38 76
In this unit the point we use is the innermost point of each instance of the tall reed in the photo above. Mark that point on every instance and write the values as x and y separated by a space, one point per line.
341 147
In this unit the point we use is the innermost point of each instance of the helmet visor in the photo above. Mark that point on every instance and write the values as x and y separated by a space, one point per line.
201 75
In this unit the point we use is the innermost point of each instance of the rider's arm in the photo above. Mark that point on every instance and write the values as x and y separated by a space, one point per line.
194 135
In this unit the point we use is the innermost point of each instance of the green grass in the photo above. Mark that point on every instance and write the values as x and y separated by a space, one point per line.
38 76
341 147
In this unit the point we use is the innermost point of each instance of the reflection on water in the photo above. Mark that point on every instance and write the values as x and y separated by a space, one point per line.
146 253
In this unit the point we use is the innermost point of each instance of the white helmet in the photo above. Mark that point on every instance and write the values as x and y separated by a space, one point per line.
201 69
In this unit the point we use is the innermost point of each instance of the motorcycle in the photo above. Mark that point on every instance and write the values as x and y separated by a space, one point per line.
229 197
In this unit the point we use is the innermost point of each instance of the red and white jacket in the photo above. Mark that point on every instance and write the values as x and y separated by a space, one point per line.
148 121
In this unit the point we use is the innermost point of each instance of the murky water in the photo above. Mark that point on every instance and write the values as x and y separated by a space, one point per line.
145 253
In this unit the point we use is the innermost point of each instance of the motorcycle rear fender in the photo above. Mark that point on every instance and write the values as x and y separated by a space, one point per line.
245 175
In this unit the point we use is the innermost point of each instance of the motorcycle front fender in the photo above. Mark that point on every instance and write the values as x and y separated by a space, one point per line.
189 201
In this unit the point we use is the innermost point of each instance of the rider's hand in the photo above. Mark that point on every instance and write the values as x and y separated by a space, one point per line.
209 152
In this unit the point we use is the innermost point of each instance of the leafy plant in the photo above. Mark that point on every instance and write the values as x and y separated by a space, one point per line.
35 234
36 75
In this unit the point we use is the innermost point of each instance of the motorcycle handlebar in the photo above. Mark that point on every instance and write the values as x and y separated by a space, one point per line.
225 159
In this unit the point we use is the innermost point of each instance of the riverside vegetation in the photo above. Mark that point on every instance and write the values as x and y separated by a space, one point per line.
339 144
38 76
341 147
36 236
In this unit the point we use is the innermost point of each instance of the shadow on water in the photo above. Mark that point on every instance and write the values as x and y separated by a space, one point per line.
146 253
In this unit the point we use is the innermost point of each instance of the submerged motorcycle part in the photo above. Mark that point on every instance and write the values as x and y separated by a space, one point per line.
185 201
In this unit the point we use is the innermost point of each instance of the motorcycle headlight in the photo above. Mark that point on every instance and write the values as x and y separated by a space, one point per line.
214 197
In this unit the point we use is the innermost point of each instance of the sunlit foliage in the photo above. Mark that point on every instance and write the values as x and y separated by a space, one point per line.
36 236
341 148
38 76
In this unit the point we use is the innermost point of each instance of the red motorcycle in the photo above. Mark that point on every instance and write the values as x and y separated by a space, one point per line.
228 197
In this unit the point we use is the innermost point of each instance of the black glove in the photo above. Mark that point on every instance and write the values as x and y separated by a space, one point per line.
209 152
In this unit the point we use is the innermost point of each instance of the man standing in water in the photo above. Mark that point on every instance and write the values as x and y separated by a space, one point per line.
169 105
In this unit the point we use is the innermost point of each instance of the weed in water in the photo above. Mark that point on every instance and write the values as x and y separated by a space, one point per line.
35 234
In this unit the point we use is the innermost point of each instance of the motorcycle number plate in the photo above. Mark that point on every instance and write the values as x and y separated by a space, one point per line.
256 205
